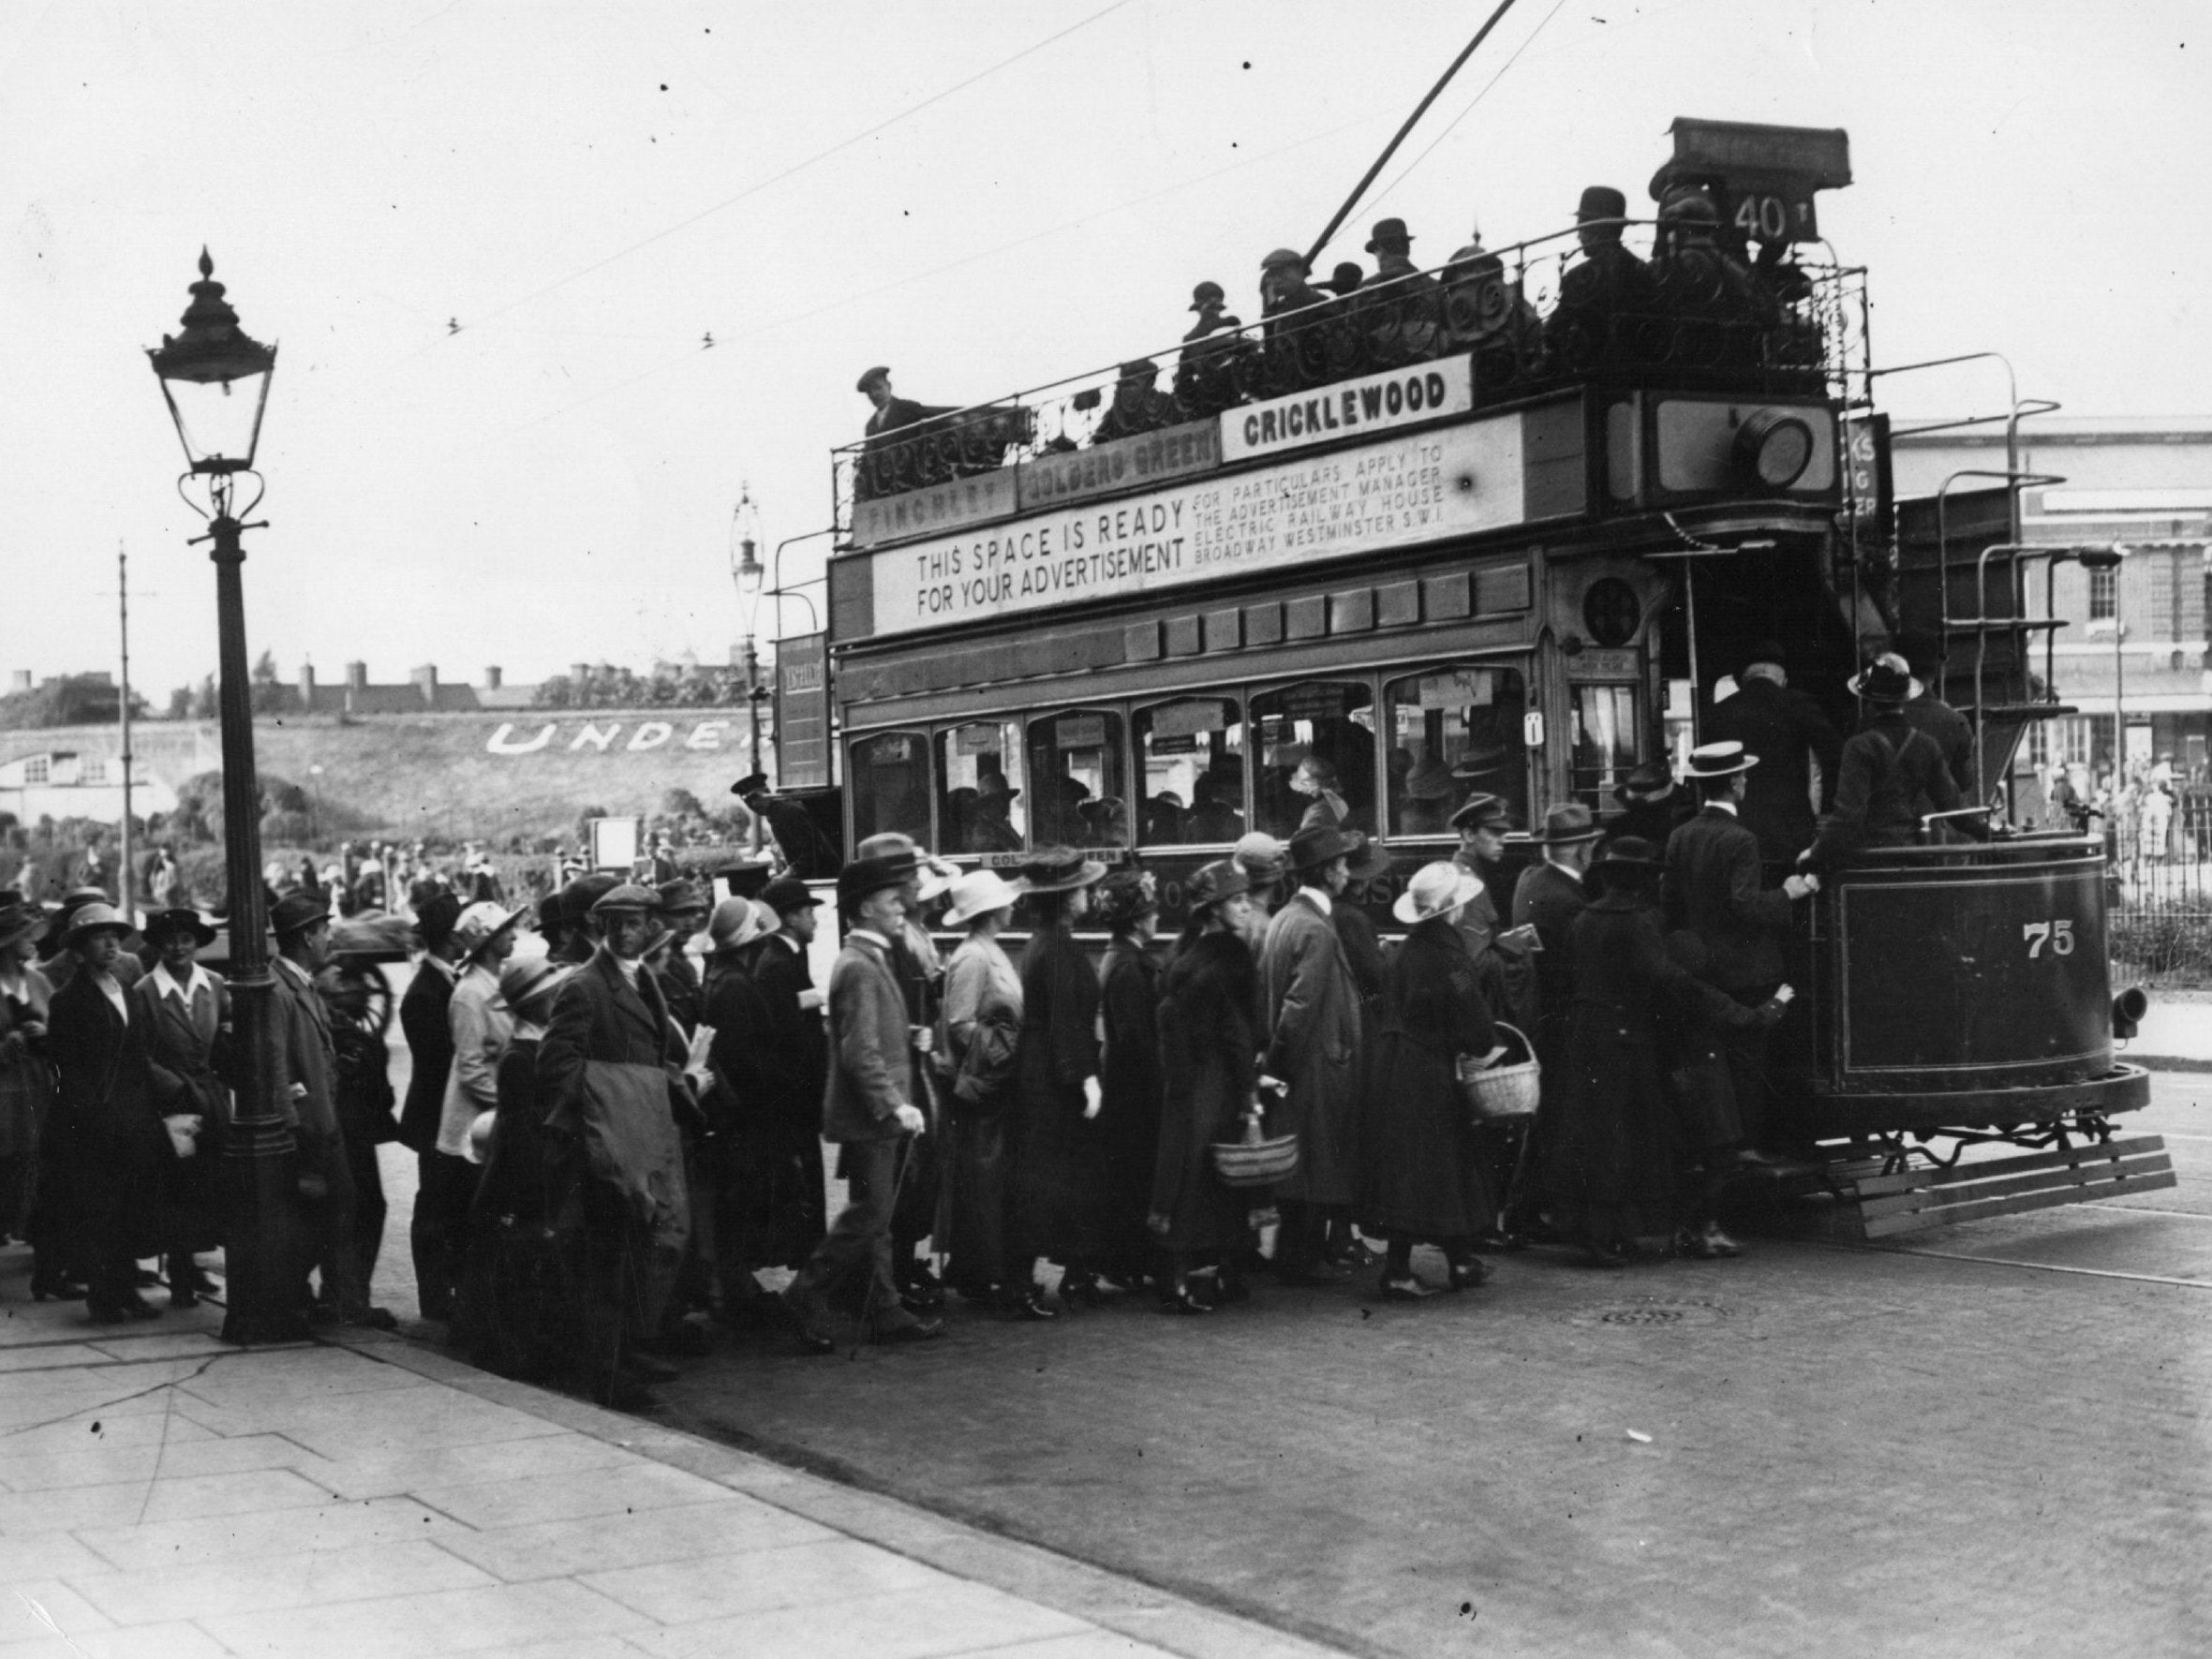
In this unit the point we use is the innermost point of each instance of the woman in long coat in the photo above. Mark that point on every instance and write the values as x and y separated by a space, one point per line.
1055 1184
187 1014
982 1014
26 1081
1423 1166
1127 1127
1208 1048
1611 1151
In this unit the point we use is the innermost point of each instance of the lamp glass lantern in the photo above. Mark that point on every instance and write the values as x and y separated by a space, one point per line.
214 378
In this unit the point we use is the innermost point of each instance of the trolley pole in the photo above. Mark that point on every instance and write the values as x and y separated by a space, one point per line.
124 898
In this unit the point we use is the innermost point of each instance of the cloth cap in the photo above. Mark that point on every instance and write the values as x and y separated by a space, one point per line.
1140 368
1483 812
626 896
1207 293
298 911
872 376
1263 858
1284 257
682 895
977 894
578 897
753 783
1437 889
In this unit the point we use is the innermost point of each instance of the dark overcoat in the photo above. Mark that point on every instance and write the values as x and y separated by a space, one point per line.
1788 732
1312 1004
106 1130
1422 1172
1126 1131
1608 1169
424 1017
187 1047
1712 889
1056 1183
1209 1041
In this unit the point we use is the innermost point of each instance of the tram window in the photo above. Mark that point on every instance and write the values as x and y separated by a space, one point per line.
1075 767
889 780
1316 757
1190 756
1456 730
980 806
1605 729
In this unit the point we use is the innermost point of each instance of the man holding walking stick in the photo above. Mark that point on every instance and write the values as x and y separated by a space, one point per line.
866 1110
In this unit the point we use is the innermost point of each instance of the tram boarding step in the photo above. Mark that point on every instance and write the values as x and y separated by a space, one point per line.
1862 1203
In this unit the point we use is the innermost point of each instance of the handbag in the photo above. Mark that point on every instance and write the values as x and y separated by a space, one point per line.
983 1067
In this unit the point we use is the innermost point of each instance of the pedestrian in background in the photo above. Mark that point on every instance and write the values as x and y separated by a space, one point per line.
982 1036
481 941
26 1078
424 1017
1128 1128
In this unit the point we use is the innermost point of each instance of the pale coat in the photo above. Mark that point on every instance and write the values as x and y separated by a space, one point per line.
1310 1003
870 1071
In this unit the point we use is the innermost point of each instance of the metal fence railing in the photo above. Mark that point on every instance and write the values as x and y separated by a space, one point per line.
2161 887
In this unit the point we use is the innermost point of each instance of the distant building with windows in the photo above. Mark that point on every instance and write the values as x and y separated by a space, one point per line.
2144 482
421 692
66 783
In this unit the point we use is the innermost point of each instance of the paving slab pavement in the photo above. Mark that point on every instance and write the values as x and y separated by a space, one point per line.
163 1494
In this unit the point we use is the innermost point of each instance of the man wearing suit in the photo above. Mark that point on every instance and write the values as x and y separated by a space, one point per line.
790 1062
612 1010
868 1109
1713 890
109 1145
1310 1005
188 1018
1547 897
302 925
886 466
426 1016
1785 732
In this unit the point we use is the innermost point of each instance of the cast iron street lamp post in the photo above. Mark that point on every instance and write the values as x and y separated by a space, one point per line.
745 567
216 382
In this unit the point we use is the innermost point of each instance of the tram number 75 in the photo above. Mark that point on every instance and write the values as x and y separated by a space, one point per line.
2057 935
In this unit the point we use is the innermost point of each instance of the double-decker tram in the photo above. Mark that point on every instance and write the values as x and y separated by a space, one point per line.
1502 526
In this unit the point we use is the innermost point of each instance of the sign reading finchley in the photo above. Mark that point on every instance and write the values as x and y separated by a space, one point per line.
1350 408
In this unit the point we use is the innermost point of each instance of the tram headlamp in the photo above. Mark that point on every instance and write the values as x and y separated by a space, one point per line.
2128 1010
1773 448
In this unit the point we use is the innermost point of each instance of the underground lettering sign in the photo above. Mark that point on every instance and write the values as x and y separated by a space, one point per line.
1405 491
532 738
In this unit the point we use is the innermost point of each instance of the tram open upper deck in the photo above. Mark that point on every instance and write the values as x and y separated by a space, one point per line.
1508 525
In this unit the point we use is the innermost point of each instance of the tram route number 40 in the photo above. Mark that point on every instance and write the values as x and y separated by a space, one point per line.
2057 935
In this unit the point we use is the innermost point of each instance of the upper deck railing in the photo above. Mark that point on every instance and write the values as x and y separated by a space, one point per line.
1533 317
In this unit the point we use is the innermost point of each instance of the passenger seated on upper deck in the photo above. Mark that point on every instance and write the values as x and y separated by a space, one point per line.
1604 300
1344 282
1400 308
1717 314
1139 406
1892 775
1206 374
1484 311
1298 352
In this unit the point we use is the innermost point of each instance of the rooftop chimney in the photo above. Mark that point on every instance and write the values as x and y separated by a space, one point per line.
426 677
491 678
357 676
18 680
308 688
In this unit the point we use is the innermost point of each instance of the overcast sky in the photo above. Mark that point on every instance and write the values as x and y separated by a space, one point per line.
591 189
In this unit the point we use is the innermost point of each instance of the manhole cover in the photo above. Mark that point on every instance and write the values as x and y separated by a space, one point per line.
1653 1312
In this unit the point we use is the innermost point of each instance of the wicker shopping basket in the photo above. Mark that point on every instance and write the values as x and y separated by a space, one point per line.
1255 1161
1507 1091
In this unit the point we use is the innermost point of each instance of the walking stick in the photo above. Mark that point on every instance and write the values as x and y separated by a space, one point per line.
867 1296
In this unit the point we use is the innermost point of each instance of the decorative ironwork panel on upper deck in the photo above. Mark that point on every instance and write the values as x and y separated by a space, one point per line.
1669 305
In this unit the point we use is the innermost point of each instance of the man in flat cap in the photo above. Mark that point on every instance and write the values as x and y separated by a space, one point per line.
1284 289
882 471
869 1109
1205 371
1138 404
612 1060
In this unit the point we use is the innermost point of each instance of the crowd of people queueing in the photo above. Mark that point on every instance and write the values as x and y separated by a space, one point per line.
615 1139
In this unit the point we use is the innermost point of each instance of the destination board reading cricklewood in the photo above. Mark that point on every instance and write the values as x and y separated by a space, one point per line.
1450 482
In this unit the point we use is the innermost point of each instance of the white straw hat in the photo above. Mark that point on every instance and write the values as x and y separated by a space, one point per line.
1436 890
977 894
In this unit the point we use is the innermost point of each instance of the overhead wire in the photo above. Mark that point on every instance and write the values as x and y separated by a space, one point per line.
799 166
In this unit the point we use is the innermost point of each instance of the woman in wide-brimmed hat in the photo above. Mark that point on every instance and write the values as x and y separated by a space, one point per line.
1055 1187
1208 1038
27 1080
982 1014
187 1011
1609 1174
1424 1179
